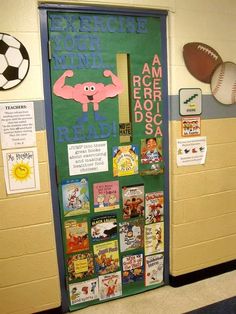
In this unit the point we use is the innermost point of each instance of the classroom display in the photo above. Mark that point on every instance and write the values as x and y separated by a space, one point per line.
111 192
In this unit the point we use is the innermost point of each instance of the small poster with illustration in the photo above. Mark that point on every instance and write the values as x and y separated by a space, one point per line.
80 266
133 201
103 228
154 238
106 196
191 126
21 170
131 235
75 197
154 205
106 256
110 286
76 235
84 291
125 160
132 266
154 265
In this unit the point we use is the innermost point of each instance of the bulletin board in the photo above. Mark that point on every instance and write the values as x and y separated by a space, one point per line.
109 108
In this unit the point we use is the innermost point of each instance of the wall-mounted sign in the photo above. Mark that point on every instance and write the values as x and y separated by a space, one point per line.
191 151
17 125
190 101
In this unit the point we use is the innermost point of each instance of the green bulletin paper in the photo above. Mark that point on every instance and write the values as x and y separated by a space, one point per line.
108 188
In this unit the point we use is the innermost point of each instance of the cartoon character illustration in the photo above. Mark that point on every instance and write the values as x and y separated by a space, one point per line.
88 92
111 286
112 200
100 200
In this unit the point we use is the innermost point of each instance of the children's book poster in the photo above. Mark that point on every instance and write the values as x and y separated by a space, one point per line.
154 265
154 238
133 201
80 266
154 205
106 257
125 160
75 197
106 196
84 291
131 235
132 266
76 235
151 150
110 286
151 156
103 228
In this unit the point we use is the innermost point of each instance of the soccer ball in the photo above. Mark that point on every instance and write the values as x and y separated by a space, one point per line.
14 62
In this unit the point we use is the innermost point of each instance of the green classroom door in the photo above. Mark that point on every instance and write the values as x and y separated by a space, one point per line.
109 105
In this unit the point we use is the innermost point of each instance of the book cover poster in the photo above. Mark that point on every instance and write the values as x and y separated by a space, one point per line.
110 286
21 170
80 266
154 265
106 257
84 291
106 196
132 266
154 205
103 228
151 150
131 235
154 238
75 197
125 160
76 235
133 201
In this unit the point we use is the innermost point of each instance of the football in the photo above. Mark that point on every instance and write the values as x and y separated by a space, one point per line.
14 62
201 60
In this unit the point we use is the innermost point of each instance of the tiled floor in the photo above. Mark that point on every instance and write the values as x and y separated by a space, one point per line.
168 300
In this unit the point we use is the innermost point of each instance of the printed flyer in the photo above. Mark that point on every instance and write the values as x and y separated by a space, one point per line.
131 235
154 238
110 286
154 205
132 266
75 196
80 266
106 257
106 196
84 291
191 151
76 235
154 265
21 170
103 228
133 201
125 160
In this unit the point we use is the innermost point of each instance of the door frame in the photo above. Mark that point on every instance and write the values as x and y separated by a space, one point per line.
43 13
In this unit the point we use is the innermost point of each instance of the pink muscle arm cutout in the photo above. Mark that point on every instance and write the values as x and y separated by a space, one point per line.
88 92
